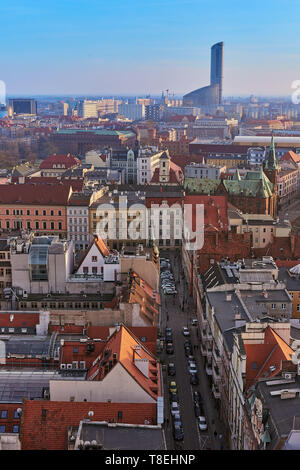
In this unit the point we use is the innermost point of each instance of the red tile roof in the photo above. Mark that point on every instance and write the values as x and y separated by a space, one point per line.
48 431
31 194
67 160
290 155
270 353
215 210
123 344
16 319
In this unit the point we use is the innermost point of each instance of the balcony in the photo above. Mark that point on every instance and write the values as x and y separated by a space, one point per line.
203 350
203 319
216 375
85 277
216 356
216 391
209 350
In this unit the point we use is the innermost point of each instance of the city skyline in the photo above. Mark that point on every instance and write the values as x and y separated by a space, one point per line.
119 49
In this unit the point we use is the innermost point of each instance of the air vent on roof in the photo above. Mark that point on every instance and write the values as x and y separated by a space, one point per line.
63 366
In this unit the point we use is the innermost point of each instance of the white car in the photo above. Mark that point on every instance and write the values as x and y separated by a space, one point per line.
192 368
185 331
175 408
202 423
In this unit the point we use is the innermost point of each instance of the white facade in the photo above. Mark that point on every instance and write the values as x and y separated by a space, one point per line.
117 386
95 264
78 226
134 112
147 161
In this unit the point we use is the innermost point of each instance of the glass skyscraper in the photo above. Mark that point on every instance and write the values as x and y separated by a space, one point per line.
210 97
216 67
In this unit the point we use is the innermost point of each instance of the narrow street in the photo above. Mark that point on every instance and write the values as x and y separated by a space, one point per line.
175 317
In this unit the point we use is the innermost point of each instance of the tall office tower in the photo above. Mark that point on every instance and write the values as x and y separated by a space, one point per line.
208 98
23 106
216 67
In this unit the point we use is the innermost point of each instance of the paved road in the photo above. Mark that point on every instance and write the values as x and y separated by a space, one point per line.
175 317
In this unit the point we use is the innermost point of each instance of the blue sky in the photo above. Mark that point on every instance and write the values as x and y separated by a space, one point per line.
137 46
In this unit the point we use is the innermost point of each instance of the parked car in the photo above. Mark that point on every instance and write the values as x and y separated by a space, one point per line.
177 420
173 387
175 408
170 348
197 410
171 369
202 423
197 397
192 368
185 331
187 342
188 351
178 433
169 337
194 322
173 397
191 358
194 379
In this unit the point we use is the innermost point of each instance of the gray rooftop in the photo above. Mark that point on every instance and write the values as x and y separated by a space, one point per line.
29 383
123 437
292 282
282 411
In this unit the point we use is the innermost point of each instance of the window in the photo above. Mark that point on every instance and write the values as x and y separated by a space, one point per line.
94 270
7 212
94 259
15 428
4 414
273 306
36 212
27 212
37 225
59 212
52 225
75 349
51 212
44 225
283 306
2 428
44 212
85 269
16 414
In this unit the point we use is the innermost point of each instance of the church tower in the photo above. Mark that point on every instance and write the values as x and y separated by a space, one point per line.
271 171
164 167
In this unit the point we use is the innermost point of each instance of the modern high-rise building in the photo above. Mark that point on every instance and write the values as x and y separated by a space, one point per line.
209 96
23 106
216 67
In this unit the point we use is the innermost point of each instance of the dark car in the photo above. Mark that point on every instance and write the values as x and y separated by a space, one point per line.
173 397
197 410
187 351
197 397
176 420
169 337
187 343
171 369
194 379
170 348
178 433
